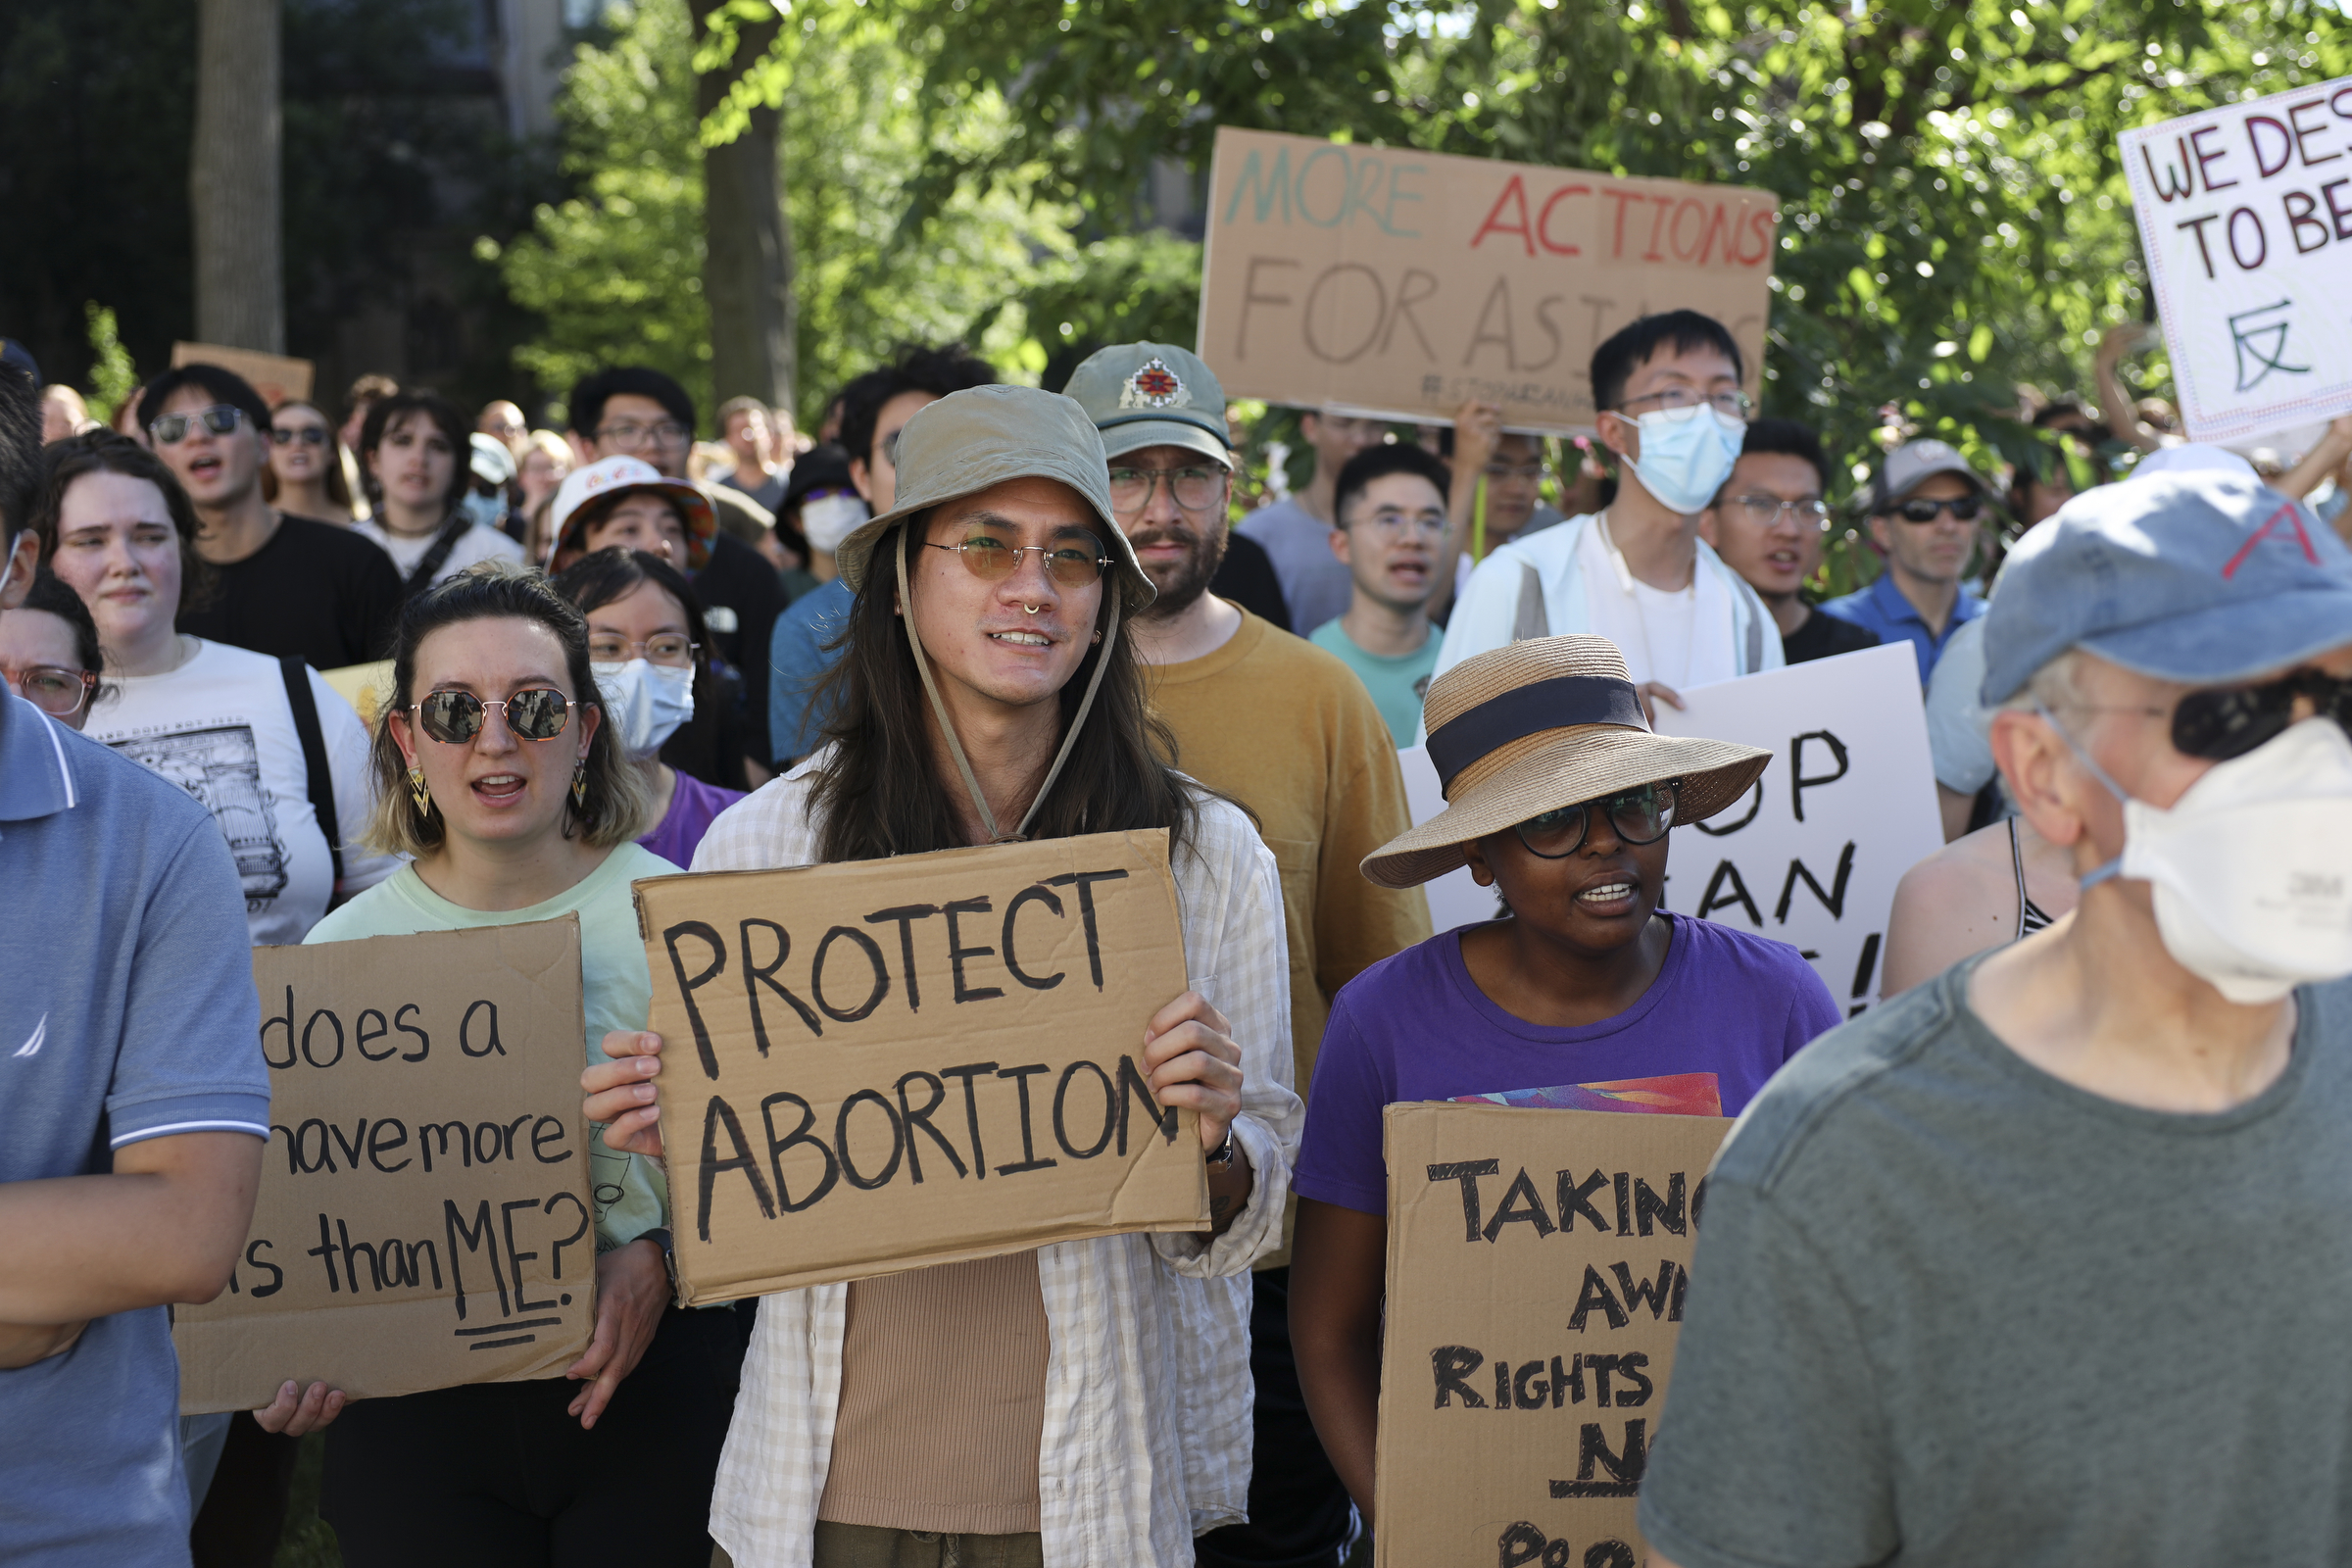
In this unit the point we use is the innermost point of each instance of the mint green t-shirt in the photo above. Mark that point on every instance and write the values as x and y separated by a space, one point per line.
630 1195
1397 684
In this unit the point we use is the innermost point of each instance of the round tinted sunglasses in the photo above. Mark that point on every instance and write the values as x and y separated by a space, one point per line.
1070 565
2229 721
536 713
1639 815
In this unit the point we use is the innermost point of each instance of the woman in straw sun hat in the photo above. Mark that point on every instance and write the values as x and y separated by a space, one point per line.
1558 794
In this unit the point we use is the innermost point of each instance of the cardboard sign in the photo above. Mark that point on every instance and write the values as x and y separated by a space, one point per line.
884 1064
424 1218
2245 215
1399 283
1538 1262
275 378
1846 805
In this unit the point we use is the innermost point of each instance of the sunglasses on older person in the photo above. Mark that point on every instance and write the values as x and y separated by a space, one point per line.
535 713
173 428
1639 815
1070 565
2224 723
1921 510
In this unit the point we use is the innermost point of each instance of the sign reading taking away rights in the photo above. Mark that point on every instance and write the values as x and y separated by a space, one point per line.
424 1218
1390 281
883 1065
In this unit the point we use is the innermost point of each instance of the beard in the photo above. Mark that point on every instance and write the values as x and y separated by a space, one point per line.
1182 584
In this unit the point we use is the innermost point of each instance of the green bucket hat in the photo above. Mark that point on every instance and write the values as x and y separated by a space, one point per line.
985 435
1153 395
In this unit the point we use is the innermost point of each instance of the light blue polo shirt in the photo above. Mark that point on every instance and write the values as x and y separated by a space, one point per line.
1882 609
126 1012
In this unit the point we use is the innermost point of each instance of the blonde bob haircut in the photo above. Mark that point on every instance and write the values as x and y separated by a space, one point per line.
613 809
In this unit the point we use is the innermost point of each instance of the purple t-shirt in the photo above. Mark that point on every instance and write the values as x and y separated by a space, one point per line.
693 806
1416 1026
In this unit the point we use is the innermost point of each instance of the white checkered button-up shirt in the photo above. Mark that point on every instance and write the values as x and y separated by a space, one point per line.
1148 1393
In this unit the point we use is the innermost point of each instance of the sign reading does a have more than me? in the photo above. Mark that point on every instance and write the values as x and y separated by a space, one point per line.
1402 283
883 1065
2245 215
424 1213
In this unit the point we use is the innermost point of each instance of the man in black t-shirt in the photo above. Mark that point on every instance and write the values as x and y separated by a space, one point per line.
1768 523
278 585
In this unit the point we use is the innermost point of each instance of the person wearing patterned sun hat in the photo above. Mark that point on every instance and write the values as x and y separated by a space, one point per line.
1558 793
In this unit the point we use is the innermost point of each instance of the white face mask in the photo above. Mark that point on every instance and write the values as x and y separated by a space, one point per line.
827 519
645 703
2252 866
1686 454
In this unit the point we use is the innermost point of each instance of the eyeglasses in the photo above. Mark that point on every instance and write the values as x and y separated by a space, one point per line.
1732 405
52 688
993 559
310 435
536 713
669 648
173 428
1394 523
1640 816
1919 509
1766 512
2221 723
627 435
1193 489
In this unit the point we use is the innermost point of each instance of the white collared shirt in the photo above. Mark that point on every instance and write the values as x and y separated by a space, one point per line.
1147 1436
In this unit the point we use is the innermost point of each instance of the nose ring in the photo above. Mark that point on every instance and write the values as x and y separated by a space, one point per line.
1034 609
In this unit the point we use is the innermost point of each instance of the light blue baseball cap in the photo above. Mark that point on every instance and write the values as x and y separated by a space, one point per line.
2199 577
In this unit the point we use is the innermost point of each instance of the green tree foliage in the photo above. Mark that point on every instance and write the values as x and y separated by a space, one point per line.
614 272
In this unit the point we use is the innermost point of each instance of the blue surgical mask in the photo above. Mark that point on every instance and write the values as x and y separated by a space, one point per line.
1686 454
488 511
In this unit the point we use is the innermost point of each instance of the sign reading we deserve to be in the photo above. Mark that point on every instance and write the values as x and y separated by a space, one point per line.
883 1065
424 1217
1846 805
1401 284
2245 215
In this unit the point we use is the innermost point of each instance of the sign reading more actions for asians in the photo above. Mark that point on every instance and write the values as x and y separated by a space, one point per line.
1401 284
424 1218
882 1064
2245 215
1538 1264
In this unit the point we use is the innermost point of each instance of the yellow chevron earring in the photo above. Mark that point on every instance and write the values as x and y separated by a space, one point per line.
417 791
579 784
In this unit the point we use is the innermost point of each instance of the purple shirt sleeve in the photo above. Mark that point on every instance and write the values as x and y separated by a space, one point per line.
1340 1157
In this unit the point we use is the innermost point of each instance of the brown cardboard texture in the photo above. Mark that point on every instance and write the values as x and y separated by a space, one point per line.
1391 281
1536 1267
884 1064
424 1218
277 379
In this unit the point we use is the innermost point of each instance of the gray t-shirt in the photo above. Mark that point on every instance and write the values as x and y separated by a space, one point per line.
126 1012
1947 1310
1315 583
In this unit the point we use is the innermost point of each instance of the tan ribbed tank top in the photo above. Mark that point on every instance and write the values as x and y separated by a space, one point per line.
942 1401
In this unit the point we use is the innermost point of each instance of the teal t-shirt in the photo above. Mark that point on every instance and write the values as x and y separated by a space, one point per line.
1397 684
615 991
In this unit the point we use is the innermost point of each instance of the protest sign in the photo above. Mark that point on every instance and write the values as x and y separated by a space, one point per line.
424 1217
1402 283
2245 217
820 1126
1538 1262
1846 805
275 378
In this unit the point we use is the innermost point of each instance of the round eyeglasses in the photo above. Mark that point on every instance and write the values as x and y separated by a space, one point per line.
1639 815
535 713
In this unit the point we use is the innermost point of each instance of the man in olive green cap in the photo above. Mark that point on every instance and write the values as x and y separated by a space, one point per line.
1289 731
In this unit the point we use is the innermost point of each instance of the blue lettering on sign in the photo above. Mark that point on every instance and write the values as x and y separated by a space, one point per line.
1367 184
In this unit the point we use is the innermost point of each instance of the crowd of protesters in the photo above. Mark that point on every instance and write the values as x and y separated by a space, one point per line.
413 672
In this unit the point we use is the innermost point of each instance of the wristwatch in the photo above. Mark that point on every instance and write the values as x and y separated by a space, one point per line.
659 1236
1222 1158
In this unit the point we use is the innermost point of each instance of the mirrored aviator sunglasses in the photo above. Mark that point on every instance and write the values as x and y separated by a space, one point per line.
1639 815
538 713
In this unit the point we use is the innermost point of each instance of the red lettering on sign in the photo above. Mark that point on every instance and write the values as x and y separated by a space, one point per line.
1760 226
1514 192
1544 218
1623 199
1657 227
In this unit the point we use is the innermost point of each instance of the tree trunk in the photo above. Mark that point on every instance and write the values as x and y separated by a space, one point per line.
746 260
233 177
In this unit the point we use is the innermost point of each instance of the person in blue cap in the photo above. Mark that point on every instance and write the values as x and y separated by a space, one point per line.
2044 1261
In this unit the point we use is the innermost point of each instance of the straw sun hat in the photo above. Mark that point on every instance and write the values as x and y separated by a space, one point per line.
1540 724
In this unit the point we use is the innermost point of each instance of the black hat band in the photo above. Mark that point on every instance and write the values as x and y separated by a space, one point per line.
1554 704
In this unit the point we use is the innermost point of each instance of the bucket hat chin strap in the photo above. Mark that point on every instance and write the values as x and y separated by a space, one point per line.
946 725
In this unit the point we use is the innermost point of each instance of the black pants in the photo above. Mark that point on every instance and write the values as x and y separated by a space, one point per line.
496 1474
1300 1514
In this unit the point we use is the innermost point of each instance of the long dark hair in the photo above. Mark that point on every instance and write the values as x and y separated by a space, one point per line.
612 809
104 451
880 793
330 462
444 416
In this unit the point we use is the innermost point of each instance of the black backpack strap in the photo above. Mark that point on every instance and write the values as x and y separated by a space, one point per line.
320 779
437 555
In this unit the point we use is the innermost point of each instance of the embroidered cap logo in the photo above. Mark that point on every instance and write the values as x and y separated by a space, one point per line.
1155 386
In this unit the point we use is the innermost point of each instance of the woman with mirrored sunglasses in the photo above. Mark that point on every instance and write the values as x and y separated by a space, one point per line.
501 775
1558 795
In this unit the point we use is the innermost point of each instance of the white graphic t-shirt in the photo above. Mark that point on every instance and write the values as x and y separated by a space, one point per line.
475 544
221 729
